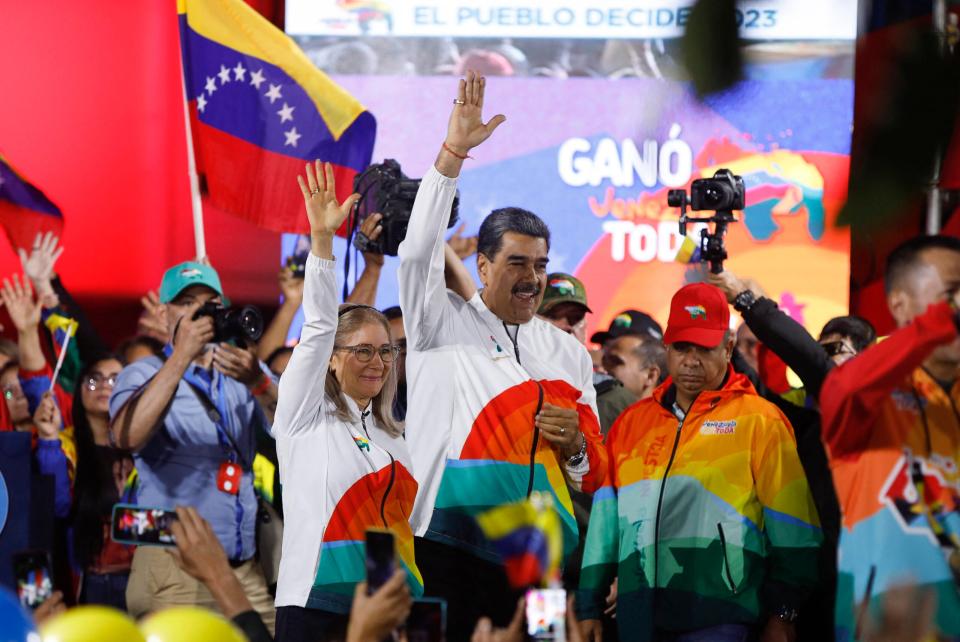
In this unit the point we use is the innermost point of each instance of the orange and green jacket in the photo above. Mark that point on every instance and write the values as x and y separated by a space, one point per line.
706 520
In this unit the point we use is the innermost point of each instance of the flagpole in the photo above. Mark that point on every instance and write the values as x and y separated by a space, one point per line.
195 202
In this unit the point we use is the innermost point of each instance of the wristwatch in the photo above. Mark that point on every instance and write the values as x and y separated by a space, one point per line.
786 614
576 459
744 301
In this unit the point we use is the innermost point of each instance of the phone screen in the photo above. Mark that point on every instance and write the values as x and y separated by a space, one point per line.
34 576
142 526
381 558
547 614
427 621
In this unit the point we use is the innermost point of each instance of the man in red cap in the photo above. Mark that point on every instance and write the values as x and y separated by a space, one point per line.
707 521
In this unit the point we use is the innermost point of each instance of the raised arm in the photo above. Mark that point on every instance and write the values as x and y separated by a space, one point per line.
365 291
275 336
423 289
785 337
302 384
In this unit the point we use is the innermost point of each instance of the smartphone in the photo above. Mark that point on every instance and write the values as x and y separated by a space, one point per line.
33 571
547 614
427 621
142 526
381 558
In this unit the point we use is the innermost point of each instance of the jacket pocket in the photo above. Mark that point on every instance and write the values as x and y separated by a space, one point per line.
727 574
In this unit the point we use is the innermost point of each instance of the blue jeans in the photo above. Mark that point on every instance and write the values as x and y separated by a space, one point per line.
722 633
109 589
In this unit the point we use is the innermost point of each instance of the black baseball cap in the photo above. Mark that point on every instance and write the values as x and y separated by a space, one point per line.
629 322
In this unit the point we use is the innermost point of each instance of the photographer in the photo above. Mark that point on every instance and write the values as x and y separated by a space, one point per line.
190 419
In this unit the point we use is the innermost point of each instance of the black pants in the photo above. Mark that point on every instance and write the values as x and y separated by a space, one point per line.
473 588
296 624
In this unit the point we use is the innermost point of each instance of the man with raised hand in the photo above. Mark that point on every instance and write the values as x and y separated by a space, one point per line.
501 403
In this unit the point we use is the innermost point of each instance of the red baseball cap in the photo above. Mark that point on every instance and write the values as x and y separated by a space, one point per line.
699 314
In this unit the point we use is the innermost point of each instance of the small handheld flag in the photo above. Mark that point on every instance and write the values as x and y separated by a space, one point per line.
528 538
25 211
689 251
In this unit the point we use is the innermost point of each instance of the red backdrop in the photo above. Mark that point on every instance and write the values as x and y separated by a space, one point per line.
92 113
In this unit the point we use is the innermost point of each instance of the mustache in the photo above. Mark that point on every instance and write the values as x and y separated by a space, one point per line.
526 288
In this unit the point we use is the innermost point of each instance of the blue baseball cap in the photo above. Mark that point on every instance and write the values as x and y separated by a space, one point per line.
182 276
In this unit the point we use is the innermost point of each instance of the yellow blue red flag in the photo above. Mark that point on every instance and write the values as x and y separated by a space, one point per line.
260 109
528 537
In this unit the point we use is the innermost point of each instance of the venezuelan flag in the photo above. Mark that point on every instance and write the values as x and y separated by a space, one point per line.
24 209
60 326
527 536
689 251
260 109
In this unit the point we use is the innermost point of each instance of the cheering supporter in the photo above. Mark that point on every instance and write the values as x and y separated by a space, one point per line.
344 463
892 431
105 476
708 523
191 420
514 394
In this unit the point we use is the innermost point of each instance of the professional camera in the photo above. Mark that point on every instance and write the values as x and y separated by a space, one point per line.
239 324
297 264
385 189
723 193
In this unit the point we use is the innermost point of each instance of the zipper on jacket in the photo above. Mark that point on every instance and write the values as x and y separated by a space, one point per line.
393 472
515 342
536 438
726 563
386 493
663 486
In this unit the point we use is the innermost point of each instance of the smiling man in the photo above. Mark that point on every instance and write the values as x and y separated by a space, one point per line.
501 403
708 522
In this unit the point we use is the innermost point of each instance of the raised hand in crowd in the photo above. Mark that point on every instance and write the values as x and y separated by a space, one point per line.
38 266
365 292
561 427
17 297
324 212
47 418
275 335
463 246
153 319
732 285
374 617
466 128
485 632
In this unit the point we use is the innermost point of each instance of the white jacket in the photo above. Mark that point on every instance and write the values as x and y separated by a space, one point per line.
339 478
472 394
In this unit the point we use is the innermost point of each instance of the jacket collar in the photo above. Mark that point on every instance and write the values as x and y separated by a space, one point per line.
734 384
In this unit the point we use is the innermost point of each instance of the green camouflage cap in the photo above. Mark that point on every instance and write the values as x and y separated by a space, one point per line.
563 288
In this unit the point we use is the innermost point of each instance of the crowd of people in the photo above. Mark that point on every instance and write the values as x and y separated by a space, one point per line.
700 495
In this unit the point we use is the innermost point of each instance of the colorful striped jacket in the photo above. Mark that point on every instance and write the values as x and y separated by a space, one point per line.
706 520
893 437
475 386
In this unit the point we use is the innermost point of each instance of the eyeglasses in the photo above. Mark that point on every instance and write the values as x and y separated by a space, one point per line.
834 348
10 391
97 380
364 352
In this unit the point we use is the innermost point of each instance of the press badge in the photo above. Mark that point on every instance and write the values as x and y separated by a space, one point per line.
228 479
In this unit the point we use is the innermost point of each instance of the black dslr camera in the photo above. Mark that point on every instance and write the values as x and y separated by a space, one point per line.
385 189
233 324
723 193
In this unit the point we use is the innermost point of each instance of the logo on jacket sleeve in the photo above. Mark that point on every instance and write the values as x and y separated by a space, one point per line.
696 311
362 443
718 427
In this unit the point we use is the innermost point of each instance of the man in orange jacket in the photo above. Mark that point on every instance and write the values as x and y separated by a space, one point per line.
706 519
